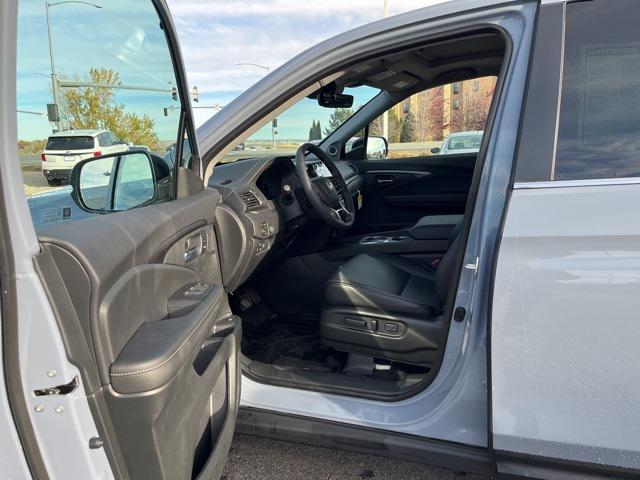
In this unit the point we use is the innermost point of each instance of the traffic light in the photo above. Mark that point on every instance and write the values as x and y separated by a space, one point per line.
174 94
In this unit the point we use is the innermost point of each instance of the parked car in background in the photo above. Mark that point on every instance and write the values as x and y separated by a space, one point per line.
64 149
460 142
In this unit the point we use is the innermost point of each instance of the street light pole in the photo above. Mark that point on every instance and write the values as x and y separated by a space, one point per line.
275 120
54 80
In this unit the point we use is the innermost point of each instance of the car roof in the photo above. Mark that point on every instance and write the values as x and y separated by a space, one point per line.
78 133
470 132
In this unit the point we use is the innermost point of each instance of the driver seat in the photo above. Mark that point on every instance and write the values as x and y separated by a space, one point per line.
388 306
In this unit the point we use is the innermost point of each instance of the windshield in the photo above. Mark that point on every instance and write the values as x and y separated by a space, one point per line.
69 143
465 142
305 121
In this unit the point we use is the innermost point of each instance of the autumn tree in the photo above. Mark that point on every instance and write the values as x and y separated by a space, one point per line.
435 113
96 107
474 110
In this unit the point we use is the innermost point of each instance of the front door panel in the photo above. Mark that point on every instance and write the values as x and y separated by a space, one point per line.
148 321
397 192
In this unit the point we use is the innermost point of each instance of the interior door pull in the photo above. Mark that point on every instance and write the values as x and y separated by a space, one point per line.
385 178
190 254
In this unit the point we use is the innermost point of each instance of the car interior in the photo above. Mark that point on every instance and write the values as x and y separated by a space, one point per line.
341 266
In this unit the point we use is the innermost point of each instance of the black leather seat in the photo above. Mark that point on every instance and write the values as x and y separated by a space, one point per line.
388 306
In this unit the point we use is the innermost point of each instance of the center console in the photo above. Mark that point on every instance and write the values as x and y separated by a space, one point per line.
430 235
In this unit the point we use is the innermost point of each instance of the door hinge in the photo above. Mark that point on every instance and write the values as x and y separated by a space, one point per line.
473 266
65 389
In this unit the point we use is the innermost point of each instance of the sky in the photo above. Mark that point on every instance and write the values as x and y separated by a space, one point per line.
215 36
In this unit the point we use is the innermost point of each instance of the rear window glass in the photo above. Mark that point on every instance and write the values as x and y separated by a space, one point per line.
70 143
599 134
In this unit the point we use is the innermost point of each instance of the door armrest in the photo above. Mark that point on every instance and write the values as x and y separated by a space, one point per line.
434 227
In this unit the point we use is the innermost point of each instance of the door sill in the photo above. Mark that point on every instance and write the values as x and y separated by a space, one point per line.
334 383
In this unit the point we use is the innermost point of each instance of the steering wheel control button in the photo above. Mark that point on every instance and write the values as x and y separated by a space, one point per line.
265 229
262 246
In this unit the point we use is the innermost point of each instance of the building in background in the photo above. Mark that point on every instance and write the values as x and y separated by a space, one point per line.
434 114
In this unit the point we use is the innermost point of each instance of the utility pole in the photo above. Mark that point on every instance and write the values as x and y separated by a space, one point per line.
385 115
54 82
54 79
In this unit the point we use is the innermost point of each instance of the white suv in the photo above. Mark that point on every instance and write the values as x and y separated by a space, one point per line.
65 149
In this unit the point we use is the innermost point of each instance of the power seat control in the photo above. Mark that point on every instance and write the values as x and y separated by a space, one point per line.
391 327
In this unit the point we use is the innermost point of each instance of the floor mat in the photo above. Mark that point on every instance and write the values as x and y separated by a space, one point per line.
290 342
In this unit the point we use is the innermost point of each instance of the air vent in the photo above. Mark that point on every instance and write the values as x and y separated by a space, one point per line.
353 168
250 200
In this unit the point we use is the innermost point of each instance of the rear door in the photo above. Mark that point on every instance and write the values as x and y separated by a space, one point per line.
415 179
146 381
564 332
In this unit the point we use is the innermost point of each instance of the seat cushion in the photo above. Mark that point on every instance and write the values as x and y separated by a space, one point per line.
387 283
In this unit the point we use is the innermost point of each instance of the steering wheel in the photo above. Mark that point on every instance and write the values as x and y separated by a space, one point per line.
329 196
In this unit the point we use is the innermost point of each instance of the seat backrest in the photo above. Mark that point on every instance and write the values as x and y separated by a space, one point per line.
447 264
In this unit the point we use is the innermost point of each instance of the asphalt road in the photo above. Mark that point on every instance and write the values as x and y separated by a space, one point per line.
256 458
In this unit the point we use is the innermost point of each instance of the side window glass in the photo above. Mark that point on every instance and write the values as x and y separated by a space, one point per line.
74 106
599 110
444 120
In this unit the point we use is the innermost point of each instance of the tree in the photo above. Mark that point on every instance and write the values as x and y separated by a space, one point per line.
408 133
394 127
474 110
96 107
435 113
422 116
315 132
337 118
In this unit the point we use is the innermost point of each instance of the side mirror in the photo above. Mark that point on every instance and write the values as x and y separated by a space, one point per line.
114 182
435 150
377 148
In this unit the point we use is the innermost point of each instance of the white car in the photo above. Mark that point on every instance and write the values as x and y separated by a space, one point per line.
460 142
65 149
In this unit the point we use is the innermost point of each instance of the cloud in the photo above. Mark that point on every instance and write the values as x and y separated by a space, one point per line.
294 9
215 35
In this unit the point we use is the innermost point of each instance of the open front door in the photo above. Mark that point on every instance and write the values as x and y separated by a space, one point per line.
128 258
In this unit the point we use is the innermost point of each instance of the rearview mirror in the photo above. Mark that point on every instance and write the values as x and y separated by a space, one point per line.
377 148
114 182
335 100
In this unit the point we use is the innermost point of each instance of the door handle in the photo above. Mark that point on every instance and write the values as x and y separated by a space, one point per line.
190 253
385 179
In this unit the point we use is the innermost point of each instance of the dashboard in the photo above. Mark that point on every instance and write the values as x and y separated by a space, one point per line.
263 210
